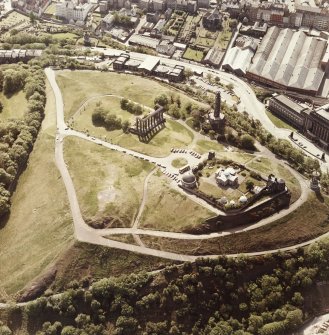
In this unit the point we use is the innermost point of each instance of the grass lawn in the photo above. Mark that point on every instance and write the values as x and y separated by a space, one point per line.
179 162
205 42
173 135
14 107
167 209
40 224
82 118
307 222
223 39
243 186
267 166
203 146
77 86
63 36
278 122
194 55
109 184
218 192
239 157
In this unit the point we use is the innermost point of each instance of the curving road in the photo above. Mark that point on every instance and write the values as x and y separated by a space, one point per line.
85 233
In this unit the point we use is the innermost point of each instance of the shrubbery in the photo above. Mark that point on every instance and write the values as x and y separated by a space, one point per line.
248 296
17 136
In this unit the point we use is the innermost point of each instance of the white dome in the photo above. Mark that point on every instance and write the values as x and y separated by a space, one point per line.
243 199
223 200
189 178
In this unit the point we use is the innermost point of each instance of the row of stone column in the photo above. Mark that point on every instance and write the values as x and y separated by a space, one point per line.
145 125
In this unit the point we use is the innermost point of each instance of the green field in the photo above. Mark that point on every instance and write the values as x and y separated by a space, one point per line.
78 86
109 184
40 224
179 162
278 122
218 192
172 135
63 36
203 146
13 107
169 210
82 118
193 54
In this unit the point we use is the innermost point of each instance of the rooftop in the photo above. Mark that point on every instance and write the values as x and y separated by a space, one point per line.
290 103
290 58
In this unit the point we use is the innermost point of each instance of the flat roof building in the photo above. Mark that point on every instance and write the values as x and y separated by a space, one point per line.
149 64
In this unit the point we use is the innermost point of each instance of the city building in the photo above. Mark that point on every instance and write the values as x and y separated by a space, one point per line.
313 17
290 60
144 41
149 64
312 123
212 20
18 55
289 110
176 74
316 126
203 3
70 11
119 63
103 7
238 59
214 57
166 47
108 21
226 177
159 5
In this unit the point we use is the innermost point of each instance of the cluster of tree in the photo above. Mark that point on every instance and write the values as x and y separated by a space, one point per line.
131 107
122 20
104 118
172 104
17 136
243 296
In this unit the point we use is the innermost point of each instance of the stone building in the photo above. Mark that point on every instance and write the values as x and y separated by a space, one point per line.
313 123
288 110
212 20
189 180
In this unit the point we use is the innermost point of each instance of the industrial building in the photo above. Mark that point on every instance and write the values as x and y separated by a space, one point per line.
288 59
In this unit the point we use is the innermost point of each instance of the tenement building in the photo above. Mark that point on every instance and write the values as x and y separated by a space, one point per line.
312 123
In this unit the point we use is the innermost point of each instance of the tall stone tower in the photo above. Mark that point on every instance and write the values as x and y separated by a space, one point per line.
215 118
217 105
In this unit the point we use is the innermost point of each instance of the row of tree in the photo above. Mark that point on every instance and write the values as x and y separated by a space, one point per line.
131 107
104 118
17 136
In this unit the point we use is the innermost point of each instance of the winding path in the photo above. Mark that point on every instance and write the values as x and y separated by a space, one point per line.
85 233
